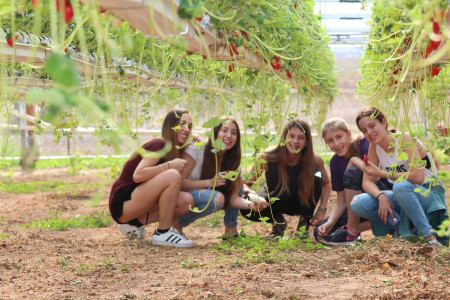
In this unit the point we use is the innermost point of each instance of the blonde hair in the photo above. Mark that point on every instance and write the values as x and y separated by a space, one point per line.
337 123
334 124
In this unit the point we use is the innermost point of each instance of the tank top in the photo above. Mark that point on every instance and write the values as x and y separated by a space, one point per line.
388 161
289 200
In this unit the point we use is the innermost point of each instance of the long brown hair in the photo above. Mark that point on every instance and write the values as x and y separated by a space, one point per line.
231 161
340 124
169 133
371 112
307 164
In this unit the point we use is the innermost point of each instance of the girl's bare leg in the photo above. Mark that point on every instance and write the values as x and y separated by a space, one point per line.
353 219
159 193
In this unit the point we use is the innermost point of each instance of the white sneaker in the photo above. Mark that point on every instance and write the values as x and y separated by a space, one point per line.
133 232
171 238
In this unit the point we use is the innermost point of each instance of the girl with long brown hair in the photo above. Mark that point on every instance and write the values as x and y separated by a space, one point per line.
148 189
296 180
204 177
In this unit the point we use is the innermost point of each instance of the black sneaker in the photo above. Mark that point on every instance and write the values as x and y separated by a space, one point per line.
340 237
279 227
302 228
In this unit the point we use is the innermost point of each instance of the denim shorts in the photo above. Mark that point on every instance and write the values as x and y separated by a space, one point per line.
206 198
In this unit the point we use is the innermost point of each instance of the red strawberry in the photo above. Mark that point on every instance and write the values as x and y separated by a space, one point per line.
199 19
395 71
277 58
289 75
428 51
245 35
35 3
434 45
68 13
102 10
278 66
399 51
265 60
256 52
436 27
366 159
10 40
230 68
435 71
205 57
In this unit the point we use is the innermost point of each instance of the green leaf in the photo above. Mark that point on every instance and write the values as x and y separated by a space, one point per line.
213 122
189 9
62 70
402 156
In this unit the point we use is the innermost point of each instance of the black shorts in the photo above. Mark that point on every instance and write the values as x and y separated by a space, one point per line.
122 195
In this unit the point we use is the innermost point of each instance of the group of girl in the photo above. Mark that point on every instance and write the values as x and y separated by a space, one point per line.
173 182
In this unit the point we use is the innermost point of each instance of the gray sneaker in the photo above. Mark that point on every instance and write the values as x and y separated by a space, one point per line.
133 232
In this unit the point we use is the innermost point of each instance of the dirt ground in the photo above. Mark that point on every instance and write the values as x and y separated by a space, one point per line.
101 264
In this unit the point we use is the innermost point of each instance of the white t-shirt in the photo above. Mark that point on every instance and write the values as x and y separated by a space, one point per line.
197 155
388 160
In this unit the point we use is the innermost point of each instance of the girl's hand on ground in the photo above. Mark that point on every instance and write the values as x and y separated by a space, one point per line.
325 228
219 181
177 164
318 217
372 170
385 208
259 206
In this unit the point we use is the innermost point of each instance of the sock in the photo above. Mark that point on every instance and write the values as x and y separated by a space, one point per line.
135 222
161 231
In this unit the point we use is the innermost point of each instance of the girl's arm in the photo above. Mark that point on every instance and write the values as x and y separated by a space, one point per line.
337 212
189 184
147 169
326 189
416 173
369 186
355 161
255 173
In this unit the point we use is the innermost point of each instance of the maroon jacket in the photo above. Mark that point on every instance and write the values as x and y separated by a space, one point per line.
126 177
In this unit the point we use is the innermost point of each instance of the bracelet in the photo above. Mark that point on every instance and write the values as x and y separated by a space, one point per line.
380 195
168 165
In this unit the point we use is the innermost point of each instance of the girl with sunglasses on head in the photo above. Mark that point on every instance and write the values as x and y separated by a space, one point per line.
148 189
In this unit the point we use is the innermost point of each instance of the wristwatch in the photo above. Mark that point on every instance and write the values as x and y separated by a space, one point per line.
322 209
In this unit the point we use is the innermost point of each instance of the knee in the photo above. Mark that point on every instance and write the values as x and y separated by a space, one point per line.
219 199
186 199
401 189
352 178
358 204
173 176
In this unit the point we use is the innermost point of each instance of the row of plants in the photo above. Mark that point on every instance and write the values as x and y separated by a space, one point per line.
285 34
406 62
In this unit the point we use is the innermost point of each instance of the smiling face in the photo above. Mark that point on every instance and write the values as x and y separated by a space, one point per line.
295 140
339 141
373 130
228 134
185 128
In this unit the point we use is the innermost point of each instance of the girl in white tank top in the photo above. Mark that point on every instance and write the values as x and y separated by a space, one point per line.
415 194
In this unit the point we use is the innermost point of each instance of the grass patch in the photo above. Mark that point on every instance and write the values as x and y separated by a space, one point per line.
214 220
55 223
74 162
257 249
4 236
12 187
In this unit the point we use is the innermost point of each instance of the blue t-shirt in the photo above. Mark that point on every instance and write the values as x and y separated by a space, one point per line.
338 165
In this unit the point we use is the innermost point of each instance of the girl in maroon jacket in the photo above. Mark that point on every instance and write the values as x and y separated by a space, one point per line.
148 189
